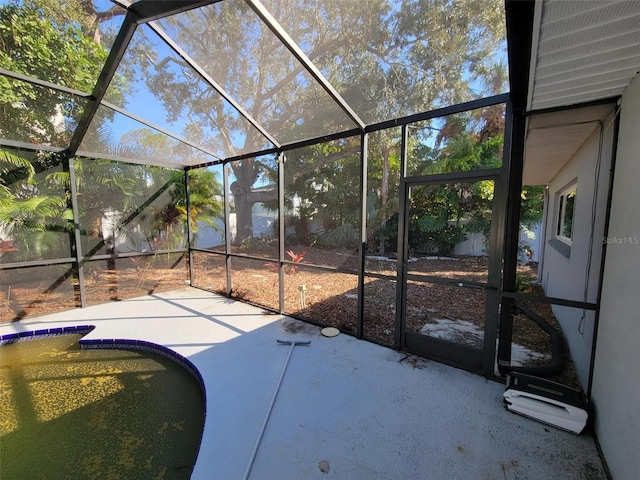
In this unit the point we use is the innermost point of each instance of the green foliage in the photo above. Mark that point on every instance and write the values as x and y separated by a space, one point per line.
532 205
297 226
140 199
59 53
30 43
34 212
435 212
12 167
205 200
441 215
381 58
345 236
325 191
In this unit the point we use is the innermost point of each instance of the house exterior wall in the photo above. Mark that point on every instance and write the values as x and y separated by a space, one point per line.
569 273
616 379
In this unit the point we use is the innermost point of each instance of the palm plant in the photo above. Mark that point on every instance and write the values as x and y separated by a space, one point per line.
33 215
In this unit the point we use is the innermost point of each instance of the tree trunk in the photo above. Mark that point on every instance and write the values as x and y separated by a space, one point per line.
384 192
244 220
244 198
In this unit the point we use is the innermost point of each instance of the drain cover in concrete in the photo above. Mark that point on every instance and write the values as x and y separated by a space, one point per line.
330 331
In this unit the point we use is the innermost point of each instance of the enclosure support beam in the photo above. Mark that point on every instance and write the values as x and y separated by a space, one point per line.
227 233
176 48
464 176
43 83
189 232
108 71
76 229
364 147
148 10
297 52
401 271
519 20
603 256
496 248
29 146
281 230
514 154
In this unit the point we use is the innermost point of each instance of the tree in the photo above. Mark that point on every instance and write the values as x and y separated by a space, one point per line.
31 44
205 201
44 39
383 174
34 217
387 60
63 43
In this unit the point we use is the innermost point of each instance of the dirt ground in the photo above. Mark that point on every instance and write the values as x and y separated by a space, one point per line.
320 296
329 298
40 290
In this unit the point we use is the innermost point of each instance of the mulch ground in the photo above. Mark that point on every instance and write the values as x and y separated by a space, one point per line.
322 297
40 290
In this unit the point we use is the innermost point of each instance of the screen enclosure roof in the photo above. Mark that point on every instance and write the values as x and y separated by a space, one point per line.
184 83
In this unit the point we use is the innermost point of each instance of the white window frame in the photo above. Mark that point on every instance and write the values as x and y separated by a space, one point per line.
569 192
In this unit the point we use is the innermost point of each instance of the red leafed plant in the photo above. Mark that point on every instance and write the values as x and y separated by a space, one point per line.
295 257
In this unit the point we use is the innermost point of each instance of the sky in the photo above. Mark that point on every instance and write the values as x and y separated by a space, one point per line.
144 104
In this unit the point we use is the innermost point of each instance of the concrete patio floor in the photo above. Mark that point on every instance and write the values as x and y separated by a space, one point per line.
347 409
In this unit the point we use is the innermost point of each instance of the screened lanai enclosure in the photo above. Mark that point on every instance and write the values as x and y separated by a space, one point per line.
351 164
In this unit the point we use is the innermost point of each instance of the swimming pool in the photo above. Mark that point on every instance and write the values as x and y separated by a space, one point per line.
102 409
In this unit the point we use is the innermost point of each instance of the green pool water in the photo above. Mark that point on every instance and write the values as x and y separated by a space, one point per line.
108 414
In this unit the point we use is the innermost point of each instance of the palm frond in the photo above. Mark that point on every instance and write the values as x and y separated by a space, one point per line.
60 178
10 161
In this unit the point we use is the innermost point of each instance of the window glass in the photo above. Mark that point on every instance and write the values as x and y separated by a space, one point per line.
566 207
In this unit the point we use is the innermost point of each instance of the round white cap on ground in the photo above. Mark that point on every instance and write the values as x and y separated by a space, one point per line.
330 331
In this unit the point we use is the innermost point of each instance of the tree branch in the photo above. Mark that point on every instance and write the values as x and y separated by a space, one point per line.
109 14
